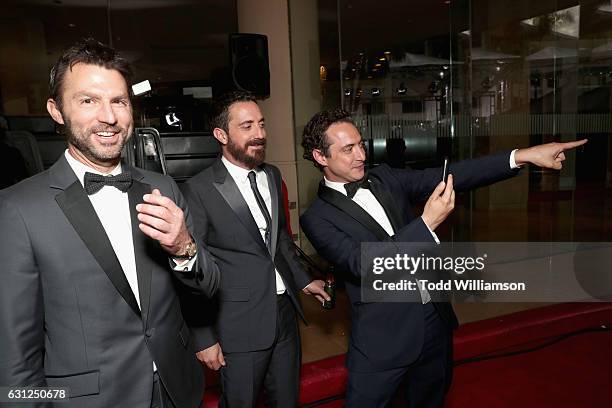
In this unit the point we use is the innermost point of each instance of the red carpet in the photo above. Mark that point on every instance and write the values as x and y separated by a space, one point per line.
575 372
554 356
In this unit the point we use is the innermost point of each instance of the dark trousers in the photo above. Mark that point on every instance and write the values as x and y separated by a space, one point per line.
424 382
277 368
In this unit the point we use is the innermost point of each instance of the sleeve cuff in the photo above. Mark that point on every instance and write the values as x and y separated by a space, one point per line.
433 234
513 164
183 265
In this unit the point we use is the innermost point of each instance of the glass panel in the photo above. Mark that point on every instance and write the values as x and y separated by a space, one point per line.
541 81
467 78
405 81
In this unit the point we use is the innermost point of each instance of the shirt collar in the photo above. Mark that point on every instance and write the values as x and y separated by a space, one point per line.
238 173
81 168
335 185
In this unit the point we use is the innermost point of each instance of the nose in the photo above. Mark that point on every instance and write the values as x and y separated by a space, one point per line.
261 133
360 153
106 114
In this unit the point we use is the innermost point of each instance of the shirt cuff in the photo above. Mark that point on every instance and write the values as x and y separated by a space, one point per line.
513 164
433 234
183 265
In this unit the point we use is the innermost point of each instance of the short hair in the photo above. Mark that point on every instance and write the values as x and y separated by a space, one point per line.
87 51
221 107
314 135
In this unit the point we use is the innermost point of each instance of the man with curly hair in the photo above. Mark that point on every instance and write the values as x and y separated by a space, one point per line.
393 344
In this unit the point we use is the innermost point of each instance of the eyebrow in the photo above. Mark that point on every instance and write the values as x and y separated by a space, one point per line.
250 121
350 145
85 93
94 95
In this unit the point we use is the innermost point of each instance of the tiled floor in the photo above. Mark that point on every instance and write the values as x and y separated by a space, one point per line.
327 332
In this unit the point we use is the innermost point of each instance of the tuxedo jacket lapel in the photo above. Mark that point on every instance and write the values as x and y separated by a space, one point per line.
226 186
143 245
79 211
351 208
274 186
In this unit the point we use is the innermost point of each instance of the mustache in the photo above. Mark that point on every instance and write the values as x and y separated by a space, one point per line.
256 142
114 129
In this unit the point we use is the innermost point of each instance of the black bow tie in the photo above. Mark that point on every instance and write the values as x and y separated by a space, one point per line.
352 187
94 182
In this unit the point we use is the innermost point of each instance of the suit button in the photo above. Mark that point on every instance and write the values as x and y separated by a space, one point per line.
149 332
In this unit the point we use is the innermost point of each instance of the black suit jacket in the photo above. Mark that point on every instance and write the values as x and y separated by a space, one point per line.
246 317
67 313
387 335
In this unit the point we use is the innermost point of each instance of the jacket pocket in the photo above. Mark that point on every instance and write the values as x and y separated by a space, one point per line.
236 294
78 385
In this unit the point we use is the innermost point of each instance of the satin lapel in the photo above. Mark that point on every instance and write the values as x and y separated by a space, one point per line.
144 246
274 186
351 208
224 183
80 212
387 202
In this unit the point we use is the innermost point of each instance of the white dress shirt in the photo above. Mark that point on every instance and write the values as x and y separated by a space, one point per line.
113 210
241 177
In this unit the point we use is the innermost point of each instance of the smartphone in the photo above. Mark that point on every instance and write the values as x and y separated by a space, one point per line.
445 170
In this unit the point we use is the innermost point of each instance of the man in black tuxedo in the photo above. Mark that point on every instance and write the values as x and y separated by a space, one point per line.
393 343
238 215
87 292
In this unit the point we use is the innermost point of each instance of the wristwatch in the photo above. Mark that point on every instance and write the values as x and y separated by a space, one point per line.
189 250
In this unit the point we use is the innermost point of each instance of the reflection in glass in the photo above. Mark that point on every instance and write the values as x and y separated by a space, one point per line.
474 77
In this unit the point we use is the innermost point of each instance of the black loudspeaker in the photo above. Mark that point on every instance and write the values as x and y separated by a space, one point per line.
249 65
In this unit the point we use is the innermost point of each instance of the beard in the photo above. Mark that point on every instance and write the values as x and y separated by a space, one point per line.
241 153
83 140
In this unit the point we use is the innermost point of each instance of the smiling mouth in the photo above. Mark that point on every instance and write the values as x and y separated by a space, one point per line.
106 134
109 135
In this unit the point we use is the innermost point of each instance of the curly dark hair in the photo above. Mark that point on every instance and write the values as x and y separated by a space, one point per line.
86 51
221 107
314 135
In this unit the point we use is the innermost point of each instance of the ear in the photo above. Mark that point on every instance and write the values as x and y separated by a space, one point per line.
220 135
54 111
319 157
